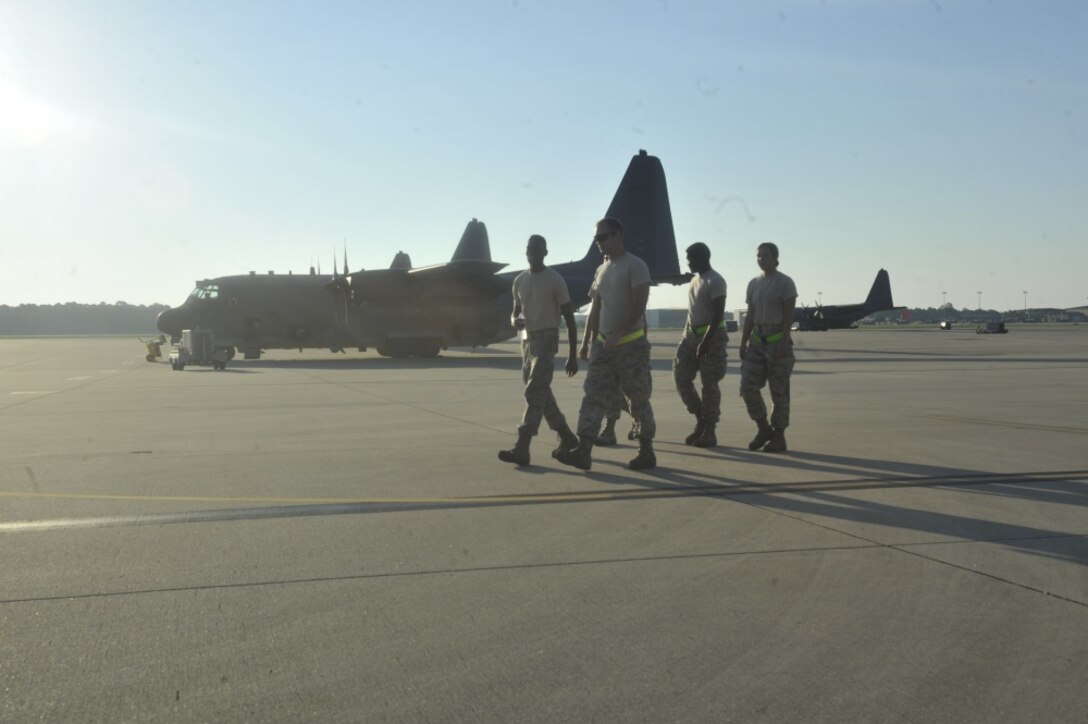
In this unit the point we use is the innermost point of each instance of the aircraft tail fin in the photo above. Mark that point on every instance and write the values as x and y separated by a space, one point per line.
471 259
641 204
474 244
880 295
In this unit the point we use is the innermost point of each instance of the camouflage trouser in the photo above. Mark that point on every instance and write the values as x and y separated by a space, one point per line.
618 402
761 367
617 405
711 369
623 371
537 369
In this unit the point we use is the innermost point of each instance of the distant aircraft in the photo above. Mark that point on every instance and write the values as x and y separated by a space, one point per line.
404 311
844 316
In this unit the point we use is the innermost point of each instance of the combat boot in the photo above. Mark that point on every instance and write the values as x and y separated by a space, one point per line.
578 457
777 442
696 433
607 436
645 458
567 440
519 455
707 438
763 436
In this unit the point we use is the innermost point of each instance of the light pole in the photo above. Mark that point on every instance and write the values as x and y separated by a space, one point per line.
944 299
979 301
820 298
1025 300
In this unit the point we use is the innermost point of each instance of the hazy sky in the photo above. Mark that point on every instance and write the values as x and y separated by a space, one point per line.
145 145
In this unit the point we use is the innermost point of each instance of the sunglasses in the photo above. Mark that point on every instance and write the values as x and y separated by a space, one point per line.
602 237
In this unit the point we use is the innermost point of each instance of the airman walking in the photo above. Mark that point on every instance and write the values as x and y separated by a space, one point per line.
766 350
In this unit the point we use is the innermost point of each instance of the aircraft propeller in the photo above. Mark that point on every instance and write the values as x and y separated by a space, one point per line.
340 287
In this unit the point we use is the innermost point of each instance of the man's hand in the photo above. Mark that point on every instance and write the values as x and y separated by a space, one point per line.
517 323
743 349
584 351
572 364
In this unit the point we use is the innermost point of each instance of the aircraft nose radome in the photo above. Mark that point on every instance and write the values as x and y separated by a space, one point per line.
168 322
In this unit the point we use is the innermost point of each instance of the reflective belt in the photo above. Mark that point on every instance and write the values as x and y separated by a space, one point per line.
629 337
768 339
701 329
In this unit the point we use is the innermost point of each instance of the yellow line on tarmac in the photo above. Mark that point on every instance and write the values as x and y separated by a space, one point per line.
521 498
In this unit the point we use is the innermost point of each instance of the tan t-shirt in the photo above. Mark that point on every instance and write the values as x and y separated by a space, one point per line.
765 296
615 284
540 294
702 292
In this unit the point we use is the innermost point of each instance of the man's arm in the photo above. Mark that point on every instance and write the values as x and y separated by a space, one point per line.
567 310
749 325
718 304
788 305
592 323
515 316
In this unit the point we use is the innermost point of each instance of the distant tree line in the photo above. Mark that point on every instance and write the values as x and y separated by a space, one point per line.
122 318
77 319
948 313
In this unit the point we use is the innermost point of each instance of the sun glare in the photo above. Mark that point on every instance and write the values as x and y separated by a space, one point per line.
30 122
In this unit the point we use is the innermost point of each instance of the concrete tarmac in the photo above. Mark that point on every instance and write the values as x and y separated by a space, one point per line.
318 537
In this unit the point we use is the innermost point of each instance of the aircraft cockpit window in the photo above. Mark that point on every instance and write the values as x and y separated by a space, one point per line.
205 291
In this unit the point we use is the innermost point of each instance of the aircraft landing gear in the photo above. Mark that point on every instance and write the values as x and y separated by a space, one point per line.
404 348
427 349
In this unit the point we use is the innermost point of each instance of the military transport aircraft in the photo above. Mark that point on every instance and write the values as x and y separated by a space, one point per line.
844 316
415 311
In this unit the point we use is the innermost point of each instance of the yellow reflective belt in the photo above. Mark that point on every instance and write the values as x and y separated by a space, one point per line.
769 338
701 329
629 337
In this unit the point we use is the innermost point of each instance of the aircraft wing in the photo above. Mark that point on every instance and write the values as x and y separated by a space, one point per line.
457 270
673 279
478 274
384 285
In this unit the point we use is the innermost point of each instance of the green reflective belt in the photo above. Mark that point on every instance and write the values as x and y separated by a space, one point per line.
701 329
629 337
768 339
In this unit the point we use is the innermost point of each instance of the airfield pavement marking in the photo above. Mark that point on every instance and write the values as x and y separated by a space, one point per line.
862 542
1006 423
289 507
446 571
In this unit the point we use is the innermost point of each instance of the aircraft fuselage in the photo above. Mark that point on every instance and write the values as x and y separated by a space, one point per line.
403 317
844 316
404 311
274 311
